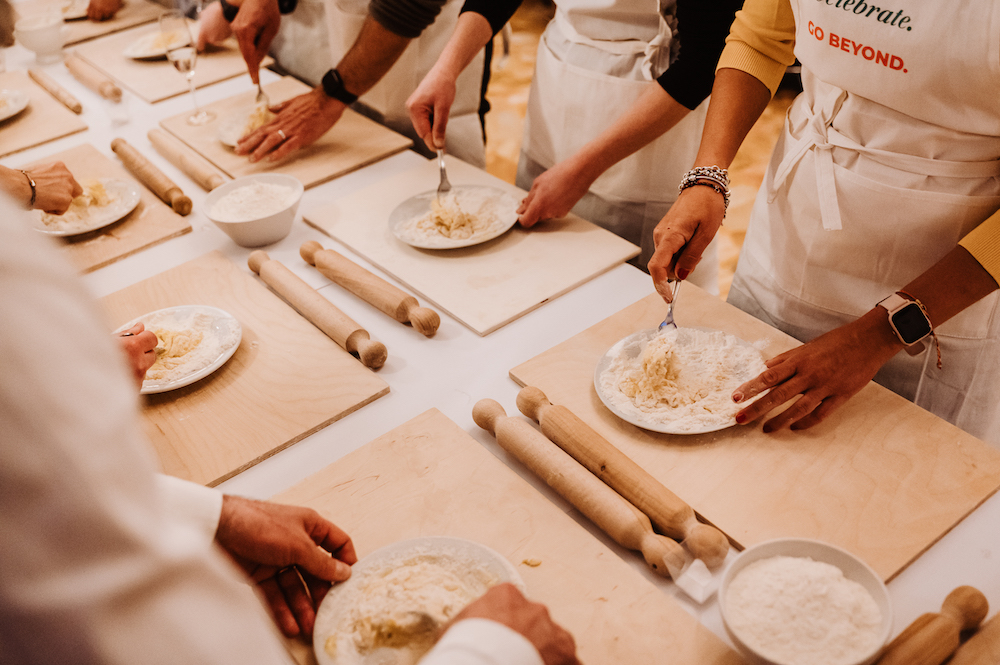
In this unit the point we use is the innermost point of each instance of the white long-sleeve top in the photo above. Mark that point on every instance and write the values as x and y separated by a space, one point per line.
100 560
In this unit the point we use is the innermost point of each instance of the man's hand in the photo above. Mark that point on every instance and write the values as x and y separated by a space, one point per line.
214 29
301 120
55 187
255 26
287 551
102 10
430 106
139 346
505 604
683 234
823 374
553 194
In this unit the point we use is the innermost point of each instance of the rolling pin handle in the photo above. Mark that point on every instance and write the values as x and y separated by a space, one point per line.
425 321
371 354
257 259
308 251
181 204
967 606
530 401
707 543
486 412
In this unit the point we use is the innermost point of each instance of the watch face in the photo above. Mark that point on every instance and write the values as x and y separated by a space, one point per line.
911 323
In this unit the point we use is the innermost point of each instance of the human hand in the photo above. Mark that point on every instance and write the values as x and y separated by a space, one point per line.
553 194
823 373
214 28
301 120
505 604
139 346
429 107
255 26
102 10
55 187
287 551
683 234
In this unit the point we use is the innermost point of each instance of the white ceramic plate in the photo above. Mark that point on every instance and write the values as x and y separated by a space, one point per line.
75 10
417 206
459 554
231 128
223 324
150 47
12 102
634 345
128 195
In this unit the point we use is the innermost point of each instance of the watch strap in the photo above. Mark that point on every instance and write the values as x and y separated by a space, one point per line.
333 86
229 12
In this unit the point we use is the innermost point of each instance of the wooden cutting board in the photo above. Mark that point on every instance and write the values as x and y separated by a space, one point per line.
149 224
156 80
135 12
43 120
286 380
353 142
484 286
429 478
880 477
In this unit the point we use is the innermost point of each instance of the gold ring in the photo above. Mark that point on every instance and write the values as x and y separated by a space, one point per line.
281 133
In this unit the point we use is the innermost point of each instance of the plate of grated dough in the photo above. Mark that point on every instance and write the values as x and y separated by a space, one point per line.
467 215
103 202
194 341
390 610
677 380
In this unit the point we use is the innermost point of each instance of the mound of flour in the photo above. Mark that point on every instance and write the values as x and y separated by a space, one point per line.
253 201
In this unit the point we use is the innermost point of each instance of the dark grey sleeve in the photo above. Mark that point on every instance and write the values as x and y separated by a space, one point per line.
406 18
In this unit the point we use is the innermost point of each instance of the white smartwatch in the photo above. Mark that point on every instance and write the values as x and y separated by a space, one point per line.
908 319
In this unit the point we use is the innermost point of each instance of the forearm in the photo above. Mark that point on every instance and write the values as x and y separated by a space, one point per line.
373 53
15 185
738 99
497 12
472 34
951 285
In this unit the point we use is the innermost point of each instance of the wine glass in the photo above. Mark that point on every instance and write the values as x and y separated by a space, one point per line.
183 55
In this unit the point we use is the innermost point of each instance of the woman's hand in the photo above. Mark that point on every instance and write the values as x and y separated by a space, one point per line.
429 107
554 193
255 26
55 187
683 234
139 346
822 374
213 27
102 10
301 120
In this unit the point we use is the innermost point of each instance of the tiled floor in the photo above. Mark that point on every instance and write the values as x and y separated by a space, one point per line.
508 97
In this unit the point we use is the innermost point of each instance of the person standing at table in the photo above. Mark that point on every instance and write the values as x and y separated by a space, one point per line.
876 228
615 108
378 67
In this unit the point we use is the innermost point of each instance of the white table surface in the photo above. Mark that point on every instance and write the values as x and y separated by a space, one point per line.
455 368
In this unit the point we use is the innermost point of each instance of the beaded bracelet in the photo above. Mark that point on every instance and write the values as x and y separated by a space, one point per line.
711 176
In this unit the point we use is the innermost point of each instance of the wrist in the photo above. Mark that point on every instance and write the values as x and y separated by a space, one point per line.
229 9
333 87
31 190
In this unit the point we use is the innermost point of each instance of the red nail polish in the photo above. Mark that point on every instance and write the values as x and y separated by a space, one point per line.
682 273
741 418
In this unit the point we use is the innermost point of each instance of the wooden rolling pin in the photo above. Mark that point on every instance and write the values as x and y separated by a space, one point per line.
664 508
615 516
92 77
56 90
188 161
934 636
152 177
371 288
983 647
318 310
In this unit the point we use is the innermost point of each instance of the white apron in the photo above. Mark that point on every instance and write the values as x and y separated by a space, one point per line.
387 99
594 60
887 159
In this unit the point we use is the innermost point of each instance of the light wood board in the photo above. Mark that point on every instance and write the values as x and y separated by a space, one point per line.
43 120
286 380
484 286
880 477
135 12
156 80
430 478
151 223
353 142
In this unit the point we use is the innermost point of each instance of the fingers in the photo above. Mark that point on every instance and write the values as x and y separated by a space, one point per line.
280 610
441 112
528 210
775 373
298 600
659 266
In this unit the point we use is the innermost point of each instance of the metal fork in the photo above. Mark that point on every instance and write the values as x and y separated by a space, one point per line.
444 186
675 288
261 95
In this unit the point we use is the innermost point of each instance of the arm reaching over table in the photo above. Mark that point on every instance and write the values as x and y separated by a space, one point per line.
139 346
49 187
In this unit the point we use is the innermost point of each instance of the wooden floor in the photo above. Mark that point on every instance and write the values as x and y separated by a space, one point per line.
508 97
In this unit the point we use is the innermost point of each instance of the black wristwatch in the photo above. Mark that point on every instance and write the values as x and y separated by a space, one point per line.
908 319
333 86
229 12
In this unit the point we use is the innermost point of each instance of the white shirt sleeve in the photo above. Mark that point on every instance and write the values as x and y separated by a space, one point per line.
482 642
95 567
200 506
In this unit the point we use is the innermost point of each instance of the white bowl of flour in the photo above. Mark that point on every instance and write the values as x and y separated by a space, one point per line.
796 601
255 210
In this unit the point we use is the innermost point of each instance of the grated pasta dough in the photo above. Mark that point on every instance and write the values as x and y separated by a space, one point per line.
94 199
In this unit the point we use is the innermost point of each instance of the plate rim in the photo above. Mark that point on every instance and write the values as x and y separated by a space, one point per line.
22 103
395 224
327 608
200 374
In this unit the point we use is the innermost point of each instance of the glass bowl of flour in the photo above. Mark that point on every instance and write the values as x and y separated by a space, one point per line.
796 601
255 210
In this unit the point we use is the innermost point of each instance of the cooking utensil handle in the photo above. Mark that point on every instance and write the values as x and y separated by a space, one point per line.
318 310
152 177
371 288
982 647
615 516
92 77
933 637
674 517
188 161
56 90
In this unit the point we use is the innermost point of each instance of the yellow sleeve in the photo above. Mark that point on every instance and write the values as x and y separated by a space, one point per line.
761 41
983 242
